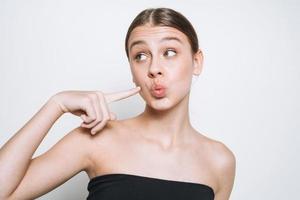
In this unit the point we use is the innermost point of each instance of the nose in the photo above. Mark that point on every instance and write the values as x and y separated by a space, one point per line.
155 68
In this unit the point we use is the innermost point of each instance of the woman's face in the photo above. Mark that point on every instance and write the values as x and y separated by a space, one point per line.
162 64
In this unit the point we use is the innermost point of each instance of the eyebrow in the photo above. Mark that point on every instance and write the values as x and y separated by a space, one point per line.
162 40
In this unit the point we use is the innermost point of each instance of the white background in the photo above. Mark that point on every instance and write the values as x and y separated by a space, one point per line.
247 95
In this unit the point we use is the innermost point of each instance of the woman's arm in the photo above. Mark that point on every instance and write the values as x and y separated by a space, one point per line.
66 158
16 153
225 170
22 177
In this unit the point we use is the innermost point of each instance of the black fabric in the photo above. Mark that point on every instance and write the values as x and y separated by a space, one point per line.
135 187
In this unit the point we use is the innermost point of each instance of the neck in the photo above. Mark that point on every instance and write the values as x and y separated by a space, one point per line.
167 127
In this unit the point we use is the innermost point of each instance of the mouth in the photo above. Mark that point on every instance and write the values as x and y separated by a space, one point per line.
158 91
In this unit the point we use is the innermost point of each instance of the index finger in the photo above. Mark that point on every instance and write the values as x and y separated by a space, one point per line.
116 96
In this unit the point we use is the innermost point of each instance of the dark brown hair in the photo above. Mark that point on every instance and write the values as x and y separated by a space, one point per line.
164 17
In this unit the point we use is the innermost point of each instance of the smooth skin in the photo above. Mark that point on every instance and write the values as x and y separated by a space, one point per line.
160 142
22 177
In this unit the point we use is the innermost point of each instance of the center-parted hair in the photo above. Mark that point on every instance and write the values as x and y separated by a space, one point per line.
164 17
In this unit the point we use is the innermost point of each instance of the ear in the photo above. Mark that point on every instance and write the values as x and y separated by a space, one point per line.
197 62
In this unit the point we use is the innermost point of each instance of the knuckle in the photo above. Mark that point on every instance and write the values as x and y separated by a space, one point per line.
94 96
105 120
87 126
87 100
100 124
97 120
93 117
99 93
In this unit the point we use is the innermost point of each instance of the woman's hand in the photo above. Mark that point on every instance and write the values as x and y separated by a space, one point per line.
91 106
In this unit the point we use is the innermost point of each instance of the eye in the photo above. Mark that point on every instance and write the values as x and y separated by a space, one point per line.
172 52
139 57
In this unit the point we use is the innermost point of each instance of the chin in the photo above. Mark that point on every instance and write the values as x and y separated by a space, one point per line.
160 104
163 104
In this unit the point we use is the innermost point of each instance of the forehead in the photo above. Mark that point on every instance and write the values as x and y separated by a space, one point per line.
150 34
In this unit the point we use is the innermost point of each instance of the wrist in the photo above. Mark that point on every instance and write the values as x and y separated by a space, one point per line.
57 104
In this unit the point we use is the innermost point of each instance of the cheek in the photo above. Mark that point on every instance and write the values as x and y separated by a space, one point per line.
181 86
181 78
136 75
180 81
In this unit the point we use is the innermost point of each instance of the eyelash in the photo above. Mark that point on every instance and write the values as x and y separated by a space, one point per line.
135 57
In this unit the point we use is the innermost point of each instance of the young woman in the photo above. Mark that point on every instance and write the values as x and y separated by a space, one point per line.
155 155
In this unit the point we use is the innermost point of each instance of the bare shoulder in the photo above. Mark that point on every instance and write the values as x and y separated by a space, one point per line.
110 133
107 132
79 140
223 164
222 157
104 136
102 145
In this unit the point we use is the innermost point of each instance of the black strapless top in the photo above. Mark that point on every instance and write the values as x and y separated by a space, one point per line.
119 186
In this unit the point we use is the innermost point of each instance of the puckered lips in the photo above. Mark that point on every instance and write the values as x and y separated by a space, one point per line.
158 91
